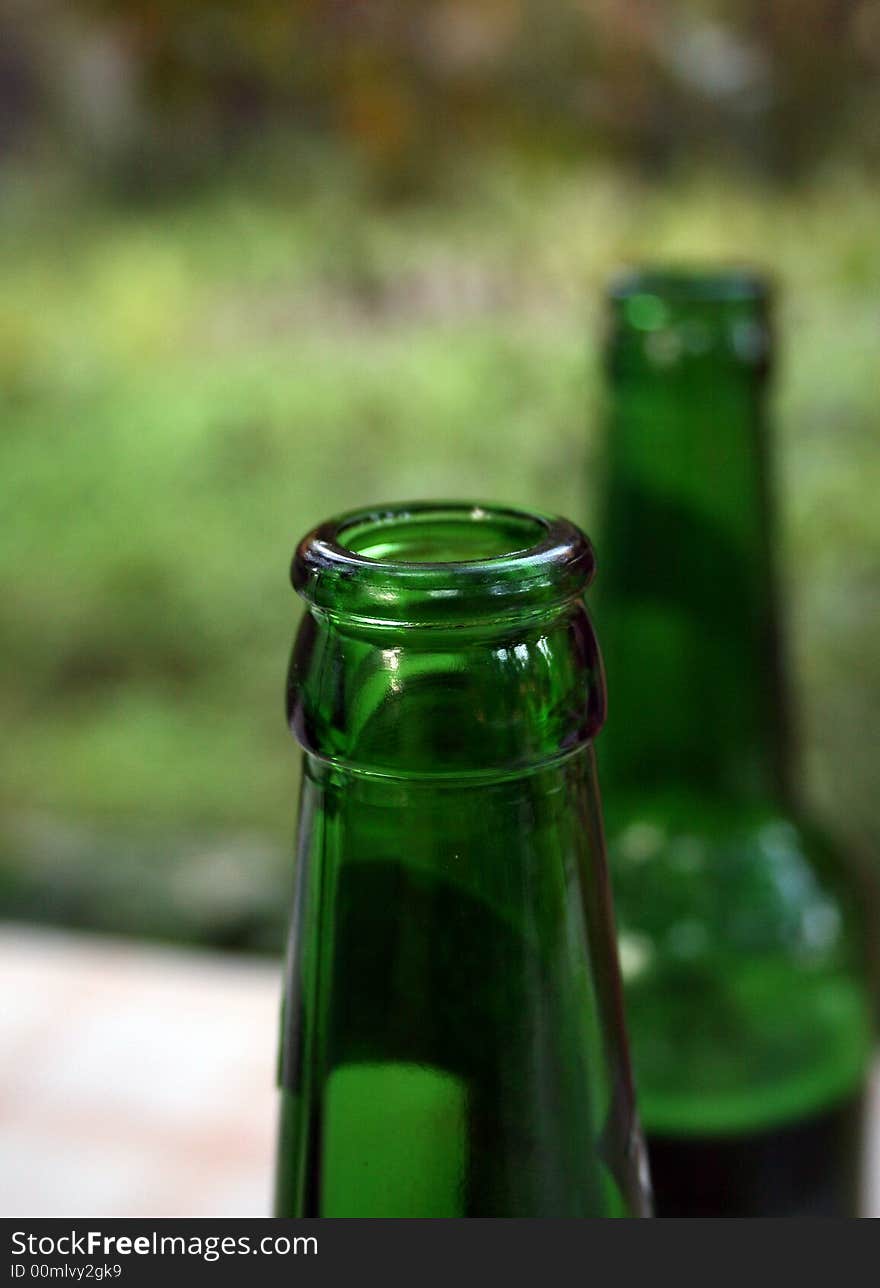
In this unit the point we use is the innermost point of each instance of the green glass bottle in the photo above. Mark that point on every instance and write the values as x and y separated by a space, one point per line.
740 944
452 1037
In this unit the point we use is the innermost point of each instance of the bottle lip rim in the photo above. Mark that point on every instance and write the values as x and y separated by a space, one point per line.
556 565
692 283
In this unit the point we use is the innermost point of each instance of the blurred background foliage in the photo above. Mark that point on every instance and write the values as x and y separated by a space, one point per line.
264 262
157 92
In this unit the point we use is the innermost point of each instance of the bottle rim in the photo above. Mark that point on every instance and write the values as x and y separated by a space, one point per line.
492 562
693 284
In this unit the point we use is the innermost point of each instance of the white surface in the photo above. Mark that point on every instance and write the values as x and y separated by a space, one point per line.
139 1081
134 1081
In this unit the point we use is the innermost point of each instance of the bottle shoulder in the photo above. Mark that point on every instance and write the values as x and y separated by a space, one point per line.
749 879
742 955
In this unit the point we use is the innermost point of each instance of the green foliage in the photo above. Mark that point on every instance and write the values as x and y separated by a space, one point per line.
185 391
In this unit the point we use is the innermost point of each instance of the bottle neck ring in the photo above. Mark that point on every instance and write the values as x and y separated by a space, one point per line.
671 322
436 563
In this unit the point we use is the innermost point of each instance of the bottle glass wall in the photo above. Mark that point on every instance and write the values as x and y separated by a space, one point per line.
739 927
452 1038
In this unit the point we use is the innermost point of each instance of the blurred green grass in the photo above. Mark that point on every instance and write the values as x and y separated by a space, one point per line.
185 389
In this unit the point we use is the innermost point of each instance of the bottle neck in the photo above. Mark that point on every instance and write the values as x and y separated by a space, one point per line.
444 641
687 610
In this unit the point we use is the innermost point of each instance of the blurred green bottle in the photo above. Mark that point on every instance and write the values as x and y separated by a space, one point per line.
452 1039
740 936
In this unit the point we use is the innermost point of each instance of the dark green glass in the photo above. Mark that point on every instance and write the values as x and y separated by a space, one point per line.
452 1039
740 944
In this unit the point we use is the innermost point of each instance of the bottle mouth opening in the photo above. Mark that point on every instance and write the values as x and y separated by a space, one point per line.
437 535
435 562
